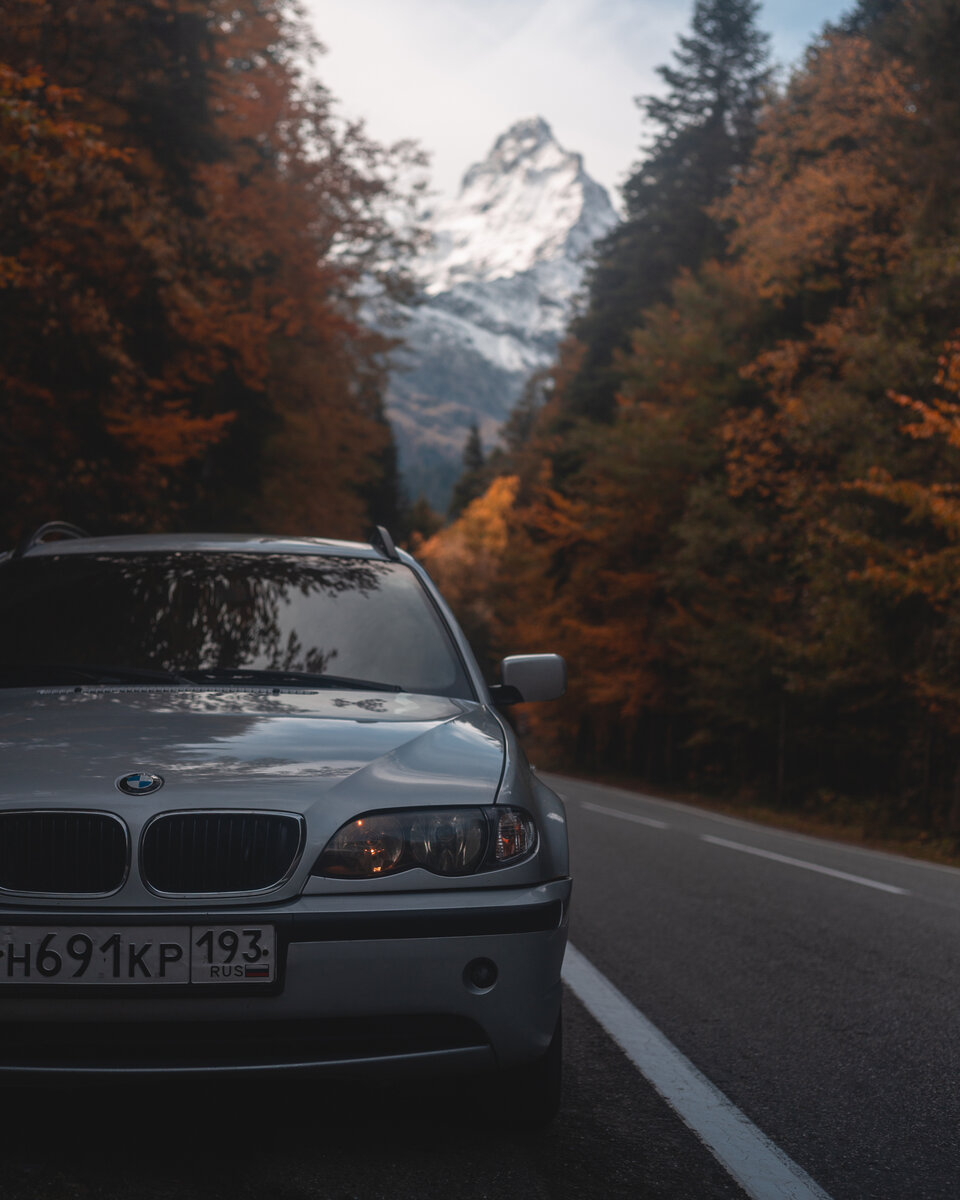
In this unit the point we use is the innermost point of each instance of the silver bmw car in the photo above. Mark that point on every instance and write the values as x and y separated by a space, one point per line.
260 812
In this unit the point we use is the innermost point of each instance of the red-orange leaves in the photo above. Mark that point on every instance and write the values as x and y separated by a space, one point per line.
184 226
167 437
822 205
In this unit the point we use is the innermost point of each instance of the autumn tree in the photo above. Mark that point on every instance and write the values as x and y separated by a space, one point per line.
902 561
466 558
69 378
599 499
187 303
791 678
751 564
818 222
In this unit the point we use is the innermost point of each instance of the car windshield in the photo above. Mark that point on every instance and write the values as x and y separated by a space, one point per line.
222 618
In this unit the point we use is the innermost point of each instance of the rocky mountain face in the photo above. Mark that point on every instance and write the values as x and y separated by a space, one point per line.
507 259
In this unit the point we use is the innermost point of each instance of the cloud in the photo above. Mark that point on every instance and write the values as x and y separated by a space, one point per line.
455 73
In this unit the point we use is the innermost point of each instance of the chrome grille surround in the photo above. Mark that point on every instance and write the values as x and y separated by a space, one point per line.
220 852
63 852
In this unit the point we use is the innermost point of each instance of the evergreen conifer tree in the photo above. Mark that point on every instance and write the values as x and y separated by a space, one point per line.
705 127
473 478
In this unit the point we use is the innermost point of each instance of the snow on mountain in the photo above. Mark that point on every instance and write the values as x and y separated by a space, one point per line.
507 258
528 202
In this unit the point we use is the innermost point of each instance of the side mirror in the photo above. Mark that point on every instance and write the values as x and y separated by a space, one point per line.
528 677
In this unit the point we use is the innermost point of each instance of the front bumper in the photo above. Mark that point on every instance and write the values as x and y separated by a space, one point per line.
367 983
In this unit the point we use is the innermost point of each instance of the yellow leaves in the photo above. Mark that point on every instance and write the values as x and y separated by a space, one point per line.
465 557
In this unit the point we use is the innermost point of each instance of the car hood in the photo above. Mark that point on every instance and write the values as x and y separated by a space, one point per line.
274 748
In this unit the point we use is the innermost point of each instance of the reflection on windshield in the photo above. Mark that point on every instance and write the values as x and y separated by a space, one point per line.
180 612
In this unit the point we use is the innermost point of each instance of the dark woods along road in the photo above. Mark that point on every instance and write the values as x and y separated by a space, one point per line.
795 999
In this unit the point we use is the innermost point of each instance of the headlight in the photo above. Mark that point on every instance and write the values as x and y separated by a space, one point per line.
370 846
446 841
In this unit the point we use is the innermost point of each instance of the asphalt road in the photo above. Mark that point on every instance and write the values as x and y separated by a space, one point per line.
812 983
824 1007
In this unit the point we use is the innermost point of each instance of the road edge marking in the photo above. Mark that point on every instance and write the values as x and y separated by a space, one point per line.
756 1163
617 812
629 796
805 866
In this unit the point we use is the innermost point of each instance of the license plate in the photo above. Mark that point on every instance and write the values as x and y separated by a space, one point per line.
137 954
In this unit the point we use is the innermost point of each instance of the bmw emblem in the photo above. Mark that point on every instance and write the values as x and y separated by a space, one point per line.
140 783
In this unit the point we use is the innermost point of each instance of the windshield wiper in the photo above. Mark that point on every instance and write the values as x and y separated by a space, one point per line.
51 674
286 679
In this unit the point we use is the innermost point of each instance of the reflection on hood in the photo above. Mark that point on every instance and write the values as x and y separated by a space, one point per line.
205 743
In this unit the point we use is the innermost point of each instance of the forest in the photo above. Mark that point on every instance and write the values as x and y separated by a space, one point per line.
188 231
732 503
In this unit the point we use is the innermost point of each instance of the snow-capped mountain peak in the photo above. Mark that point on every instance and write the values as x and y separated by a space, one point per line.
523 144
528 201
508 256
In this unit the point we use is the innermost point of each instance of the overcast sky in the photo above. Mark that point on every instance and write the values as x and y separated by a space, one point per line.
455 73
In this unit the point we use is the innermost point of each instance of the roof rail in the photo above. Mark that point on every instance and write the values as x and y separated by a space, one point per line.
381 540
62 529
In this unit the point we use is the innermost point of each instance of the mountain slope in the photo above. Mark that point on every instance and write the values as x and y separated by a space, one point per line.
507 259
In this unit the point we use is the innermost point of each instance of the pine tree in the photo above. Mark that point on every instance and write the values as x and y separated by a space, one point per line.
705 128
473 450
421 522
473 479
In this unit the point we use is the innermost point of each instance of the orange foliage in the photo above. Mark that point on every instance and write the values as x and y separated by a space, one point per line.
82 228
920 559
168 437
934 571
738 595
570 587
820 217
185 226
466 558
824 202
938 417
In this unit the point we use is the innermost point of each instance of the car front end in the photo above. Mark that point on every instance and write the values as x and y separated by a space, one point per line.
217 868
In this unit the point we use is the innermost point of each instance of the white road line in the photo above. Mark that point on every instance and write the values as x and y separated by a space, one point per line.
616 812
559 782
806 866
759 1167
